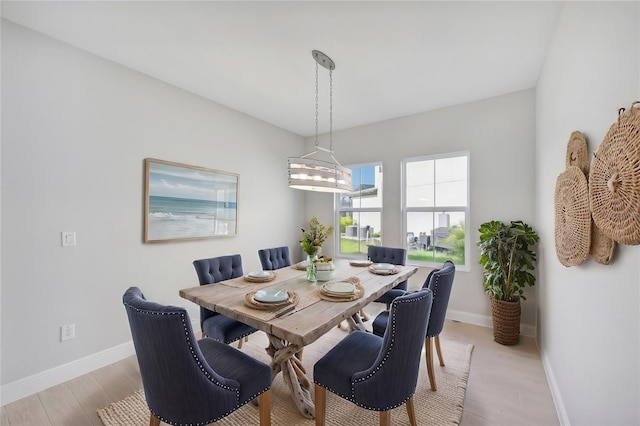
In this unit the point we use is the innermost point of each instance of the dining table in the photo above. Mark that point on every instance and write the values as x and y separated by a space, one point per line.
308 313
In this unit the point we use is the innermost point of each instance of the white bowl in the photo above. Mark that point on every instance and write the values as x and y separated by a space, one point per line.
325 275
325 266
271 295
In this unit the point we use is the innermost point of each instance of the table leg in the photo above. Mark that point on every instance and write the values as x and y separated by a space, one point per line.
283 360
355 323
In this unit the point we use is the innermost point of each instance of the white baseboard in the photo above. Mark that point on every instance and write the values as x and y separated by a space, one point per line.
563 416
485 321
38 382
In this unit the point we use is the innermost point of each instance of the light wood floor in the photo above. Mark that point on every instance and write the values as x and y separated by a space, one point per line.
507 386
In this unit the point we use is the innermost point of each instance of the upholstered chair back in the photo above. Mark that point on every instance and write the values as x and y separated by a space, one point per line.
274 258
214 270
381 254
392 378
180 386
395 256
440 282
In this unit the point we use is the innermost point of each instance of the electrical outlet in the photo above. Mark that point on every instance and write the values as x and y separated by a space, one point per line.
67 332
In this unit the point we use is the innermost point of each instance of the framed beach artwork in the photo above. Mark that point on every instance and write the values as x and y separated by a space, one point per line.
184 202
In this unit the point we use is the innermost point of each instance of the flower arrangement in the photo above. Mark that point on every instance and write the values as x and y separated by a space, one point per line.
313 239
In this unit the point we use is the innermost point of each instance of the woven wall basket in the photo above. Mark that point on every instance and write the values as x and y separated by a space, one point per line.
614 179
572 217
602 247
578 152
506 321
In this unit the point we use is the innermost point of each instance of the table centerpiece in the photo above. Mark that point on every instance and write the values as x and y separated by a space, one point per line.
312 240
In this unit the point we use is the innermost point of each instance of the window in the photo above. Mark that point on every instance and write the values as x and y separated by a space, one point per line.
436 208
359 212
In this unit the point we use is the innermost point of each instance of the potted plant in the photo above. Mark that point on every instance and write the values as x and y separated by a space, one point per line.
311 243
506 253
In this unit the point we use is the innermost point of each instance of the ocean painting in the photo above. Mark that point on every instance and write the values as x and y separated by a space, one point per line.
185 202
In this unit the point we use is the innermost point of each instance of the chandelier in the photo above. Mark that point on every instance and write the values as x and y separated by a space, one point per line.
316 175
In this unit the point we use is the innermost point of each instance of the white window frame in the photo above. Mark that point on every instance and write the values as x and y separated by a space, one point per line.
338 209
438 209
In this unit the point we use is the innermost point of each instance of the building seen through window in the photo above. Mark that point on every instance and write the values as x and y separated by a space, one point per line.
360 211
436 208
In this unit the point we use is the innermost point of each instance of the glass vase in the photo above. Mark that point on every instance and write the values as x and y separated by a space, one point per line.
311 268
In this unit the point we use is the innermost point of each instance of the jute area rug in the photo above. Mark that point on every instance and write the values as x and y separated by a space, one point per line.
443 407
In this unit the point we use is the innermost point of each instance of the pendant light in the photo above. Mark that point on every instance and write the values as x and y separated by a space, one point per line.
316 175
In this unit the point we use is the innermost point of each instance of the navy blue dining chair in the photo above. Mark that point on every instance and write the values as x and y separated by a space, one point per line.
188 381
440 282
274 258
213 324
394 256
377 373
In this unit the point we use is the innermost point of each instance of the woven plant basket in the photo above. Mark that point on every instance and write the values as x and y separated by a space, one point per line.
578 152
506 320
614 179
572 217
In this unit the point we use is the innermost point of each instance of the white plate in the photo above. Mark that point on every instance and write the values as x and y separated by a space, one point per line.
259 274
384 267
339 288
271 295
359 262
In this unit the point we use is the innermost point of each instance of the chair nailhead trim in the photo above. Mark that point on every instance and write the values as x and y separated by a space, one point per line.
197 360
384 359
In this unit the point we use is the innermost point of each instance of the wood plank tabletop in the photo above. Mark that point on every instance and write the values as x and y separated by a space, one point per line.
306 325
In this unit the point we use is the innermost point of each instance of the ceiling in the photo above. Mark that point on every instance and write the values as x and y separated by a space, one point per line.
392 58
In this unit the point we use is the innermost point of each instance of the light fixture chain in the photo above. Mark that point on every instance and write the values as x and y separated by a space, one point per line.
331 111
316 104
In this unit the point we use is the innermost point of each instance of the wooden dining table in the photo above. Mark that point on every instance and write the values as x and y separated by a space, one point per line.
290 329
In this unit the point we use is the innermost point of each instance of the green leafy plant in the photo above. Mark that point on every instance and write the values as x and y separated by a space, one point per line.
313 239
456 239
507 257
344 222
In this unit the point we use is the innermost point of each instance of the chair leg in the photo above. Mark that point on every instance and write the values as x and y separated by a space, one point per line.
437 340
320 401
429 358
385 418
153 420
411 412
264 405
240 343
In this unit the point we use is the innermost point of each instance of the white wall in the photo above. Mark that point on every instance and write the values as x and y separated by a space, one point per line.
76 131
588 326
499 135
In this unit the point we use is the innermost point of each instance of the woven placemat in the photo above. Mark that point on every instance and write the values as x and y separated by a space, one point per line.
271 277
614 179
357 293
251 302
383 272
572 217
264 315
299 267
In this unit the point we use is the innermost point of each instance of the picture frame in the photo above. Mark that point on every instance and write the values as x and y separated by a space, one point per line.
184 202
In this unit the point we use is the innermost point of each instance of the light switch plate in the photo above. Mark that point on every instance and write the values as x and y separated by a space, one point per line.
68 239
